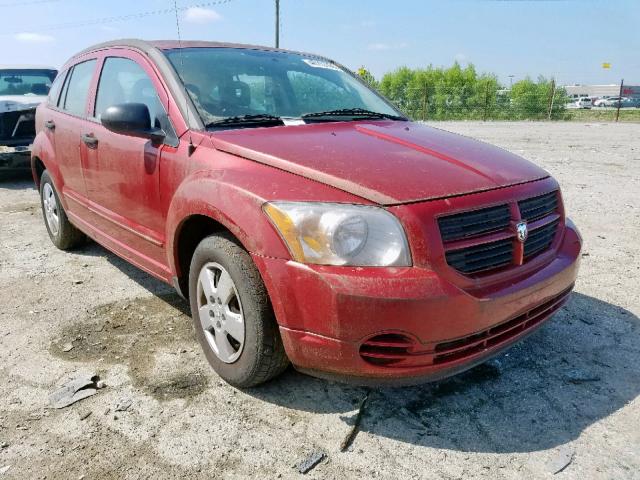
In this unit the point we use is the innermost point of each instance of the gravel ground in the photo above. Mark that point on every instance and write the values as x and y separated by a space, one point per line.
564 399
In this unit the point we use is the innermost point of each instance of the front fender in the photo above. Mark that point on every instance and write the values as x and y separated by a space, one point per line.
220 196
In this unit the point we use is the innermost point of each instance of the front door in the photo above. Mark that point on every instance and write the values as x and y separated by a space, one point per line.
122 171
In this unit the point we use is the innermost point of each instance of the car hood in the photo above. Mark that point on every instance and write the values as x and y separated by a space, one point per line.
12 103
386 162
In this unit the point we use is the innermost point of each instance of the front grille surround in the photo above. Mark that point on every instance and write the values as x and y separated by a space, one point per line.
484 241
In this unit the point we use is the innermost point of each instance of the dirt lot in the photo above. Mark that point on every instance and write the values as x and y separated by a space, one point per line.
568 395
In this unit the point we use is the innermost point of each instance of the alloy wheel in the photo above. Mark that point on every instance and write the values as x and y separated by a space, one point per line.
220 312
51 211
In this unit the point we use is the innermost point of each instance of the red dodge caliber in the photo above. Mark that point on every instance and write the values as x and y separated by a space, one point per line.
304 217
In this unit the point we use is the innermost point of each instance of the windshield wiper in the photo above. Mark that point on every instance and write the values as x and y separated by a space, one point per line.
261 119
352 112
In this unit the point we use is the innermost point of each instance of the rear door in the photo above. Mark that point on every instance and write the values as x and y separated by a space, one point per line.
122 171
50 113
65 123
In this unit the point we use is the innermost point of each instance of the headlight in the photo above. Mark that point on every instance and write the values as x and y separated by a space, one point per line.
340 234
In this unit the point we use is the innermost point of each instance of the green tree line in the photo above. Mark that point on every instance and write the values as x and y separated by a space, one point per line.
461 93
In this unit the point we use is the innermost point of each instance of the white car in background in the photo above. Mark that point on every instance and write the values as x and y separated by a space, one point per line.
613 102
584 102
22 89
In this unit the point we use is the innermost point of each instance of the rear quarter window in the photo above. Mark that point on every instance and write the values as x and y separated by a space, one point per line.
56 87
77 88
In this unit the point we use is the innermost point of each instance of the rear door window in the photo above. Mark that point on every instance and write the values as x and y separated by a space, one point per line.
77 88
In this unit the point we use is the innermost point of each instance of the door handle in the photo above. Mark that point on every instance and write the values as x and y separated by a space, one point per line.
89 140
49 125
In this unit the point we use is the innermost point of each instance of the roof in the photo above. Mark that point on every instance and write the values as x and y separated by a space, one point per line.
26 67
171 44
147 45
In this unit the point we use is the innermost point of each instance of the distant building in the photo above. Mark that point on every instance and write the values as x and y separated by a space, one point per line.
599 91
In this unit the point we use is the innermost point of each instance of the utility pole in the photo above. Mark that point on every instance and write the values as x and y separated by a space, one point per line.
277 23
511 81
425 100
619 100
551 97
486 103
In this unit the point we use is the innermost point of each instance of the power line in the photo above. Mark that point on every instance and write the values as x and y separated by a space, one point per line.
28 2
119 18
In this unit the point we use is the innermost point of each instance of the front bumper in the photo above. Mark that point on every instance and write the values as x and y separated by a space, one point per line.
15 159
329 316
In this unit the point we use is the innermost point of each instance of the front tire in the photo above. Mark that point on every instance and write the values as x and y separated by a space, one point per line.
61 232
232 314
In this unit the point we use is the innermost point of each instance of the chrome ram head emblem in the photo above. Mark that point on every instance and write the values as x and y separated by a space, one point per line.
522 231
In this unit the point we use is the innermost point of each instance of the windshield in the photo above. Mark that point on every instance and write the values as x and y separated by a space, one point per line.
232 82
26 81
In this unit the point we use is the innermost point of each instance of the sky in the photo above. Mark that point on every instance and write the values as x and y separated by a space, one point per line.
565 39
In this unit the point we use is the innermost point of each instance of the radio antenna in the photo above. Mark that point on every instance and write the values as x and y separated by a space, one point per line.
192 147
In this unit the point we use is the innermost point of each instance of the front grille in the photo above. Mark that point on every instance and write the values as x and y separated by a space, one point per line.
540 239
468 224
483 241
451 351
481 257
17 125
537 207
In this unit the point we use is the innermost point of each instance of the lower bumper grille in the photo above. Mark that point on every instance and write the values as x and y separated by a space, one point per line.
386 349
398 350
464 347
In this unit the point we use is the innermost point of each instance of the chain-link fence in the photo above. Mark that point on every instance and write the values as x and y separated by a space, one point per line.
480 103
486 103
461 94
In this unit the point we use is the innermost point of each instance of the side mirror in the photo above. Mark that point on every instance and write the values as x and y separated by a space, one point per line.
131 119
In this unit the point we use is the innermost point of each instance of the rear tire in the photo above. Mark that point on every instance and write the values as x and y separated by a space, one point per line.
62 233
232 315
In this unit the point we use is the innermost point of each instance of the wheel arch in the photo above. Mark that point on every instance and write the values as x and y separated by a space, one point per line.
205 205
191 231
42 154
37 169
